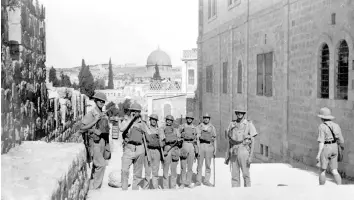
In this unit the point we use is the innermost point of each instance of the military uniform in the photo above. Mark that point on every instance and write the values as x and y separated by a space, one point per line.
96 145
189 137
133 151
240 140
170 136
207 137
329 137
153 144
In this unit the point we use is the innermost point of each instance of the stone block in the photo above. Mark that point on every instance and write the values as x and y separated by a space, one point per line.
40 170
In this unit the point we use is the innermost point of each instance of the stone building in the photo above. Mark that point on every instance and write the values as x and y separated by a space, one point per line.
282 60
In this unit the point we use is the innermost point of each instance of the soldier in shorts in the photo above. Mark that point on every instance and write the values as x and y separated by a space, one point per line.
328 149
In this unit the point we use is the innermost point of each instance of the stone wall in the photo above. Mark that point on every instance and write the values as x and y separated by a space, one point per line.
294 31
40 170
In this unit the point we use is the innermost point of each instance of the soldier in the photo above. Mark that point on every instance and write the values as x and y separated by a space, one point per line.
189 136
329 137
241 133
207 149
171 138
154 143
134 151
95 144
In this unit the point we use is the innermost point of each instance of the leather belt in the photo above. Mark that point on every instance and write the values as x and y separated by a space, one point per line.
205 142
134 143
151 147
330 142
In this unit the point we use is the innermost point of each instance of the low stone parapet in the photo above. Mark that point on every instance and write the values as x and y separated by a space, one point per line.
40 170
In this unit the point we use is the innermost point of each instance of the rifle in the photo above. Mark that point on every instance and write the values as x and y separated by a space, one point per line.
228 156
147 153
214 168
177 143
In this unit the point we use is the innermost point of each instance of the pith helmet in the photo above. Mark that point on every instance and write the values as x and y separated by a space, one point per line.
170 117
240 110
100 96
206 115
190 115
135 106
325 113
154 116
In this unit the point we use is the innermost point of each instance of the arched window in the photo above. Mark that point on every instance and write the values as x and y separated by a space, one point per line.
167 109
342 75
239 77
324 73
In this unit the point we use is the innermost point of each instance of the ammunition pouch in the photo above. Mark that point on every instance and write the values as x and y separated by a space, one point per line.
175 154
184 154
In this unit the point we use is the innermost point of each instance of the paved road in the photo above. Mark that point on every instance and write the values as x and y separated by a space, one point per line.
265 177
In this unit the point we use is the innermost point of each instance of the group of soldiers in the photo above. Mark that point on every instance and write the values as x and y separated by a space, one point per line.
145 145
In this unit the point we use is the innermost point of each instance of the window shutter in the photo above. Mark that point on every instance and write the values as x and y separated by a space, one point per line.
260 74
239 78
268 74
224 74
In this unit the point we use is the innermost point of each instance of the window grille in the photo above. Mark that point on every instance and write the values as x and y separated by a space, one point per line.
324 73
342 74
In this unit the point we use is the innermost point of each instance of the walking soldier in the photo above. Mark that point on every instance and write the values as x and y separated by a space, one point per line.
331 142
133 148
189 136
171 138
94 142
154 144
241 133
207 149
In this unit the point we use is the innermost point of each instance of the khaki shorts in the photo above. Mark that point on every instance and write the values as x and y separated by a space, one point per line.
329 156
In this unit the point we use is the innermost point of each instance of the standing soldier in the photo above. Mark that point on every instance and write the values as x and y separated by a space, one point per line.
329 137
95 143
171 150
241 133
134 151
154 143
189 136
207 149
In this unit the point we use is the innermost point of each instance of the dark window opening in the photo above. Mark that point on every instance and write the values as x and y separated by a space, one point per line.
342 72
324 73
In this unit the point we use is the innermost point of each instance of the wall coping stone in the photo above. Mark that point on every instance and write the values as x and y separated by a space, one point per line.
36 169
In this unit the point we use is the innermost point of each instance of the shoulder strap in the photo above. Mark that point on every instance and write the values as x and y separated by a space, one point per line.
334 137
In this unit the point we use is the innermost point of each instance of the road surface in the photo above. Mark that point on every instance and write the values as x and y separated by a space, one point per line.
269 181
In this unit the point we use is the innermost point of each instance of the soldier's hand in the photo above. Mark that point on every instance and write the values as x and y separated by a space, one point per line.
249 160
318 157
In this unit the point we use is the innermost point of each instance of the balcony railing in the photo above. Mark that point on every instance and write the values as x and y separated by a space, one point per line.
165 86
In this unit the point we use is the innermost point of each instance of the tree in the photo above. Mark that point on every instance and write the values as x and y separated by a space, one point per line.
53 77
124 107
157 73
87 85
83 66
100 84
64 80
110 75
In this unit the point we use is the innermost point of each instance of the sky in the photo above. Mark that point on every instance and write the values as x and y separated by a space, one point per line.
126 31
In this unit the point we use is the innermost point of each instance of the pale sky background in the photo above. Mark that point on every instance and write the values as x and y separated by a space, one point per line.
125 30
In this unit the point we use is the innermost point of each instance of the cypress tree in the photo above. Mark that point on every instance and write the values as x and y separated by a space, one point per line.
110 75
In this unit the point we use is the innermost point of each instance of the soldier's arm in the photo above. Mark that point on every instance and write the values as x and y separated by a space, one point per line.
214 138
320 139
340 135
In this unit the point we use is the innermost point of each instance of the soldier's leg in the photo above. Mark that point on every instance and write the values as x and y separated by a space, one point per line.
127 160
97 176
190 160
147 173
235 171
333 164
243 155
324 161
138 168
155 165
184 166
174 174
200 164
208 156
166 167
